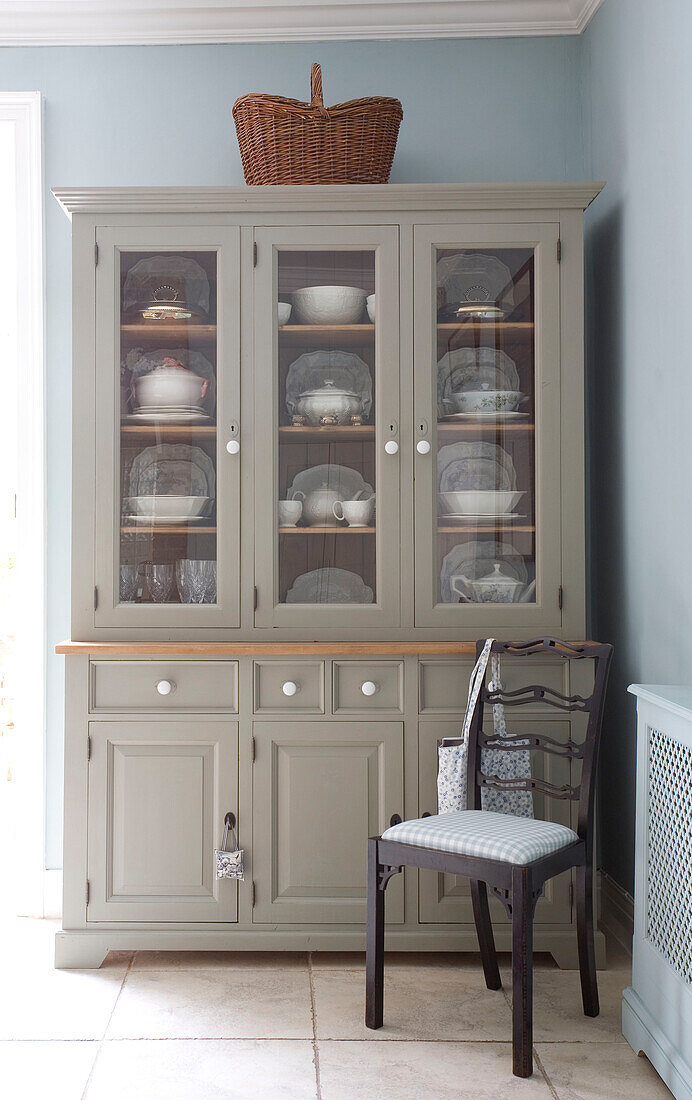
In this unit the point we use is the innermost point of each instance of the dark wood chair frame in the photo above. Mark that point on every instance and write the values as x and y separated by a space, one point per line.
518 886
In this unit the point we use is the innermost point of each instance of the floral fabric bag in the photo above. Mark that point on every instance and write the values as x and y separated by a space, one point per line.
229 861
453 759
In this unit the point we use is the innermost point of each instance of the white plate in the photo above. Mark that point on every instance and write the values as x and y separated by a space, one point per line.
346 370
167 418
474 465
342 479
165 521
498 416
329 585
476 277
175 468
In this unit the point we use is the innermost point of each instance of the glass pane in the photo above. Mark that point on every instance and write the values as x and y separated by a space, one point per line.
326 453
168 427
486 534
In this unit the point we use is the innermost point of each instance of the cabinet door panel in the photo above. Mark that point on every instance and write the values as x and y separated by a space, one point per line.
320 789
326 405
446 898
158 793
487 422
167 402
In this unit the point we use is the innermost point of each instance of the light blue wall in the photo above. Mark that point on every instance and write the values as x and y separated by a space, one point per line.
637 96
492 110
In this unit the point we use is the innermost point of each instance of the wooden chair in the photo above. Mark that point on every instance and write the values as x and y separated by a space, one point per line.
514 856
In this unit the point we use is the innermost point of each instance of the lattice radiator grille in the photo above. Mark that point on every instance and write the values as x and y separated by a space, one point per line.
669 887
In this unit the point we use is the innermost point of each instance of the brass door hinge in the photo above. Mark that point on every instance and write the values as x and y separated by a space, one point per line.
96 255
96 598
253 895
254 597
559 597
254 254
88 747
87 892
558 250
254 749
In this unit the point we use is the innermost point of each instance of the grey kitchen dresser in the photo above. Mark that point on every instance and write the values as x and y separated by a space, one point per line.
324 439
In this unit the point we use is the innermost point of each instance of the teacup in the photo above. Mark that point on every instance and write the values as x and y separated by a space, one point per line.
290 512
356 513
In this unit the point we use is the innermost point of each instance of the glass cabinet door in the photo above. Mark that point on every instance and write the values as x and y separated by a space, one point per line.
487 462
167 402
326 426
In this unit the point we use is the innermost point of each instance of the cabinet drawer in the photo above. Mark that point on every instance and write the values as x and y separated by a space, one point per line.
289 686
444 684
350 678
197 686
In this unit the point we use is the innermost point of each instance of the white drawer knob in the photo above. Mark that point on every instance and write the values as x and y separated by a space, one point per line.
165 687
233 446
368 688
391 446
423 447
289 688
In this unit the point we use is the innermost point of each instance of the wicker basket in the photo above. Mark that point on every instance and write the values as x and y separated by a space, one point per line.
284 141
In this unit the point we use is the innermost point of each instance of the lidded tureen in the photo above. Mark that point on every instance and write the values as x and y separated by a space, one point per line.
494 587
329 405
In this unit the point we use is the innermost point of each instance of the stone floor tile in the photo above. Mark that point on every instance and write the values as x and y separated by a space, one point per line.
445 960
423 1071
600 1071
58 1004
204 1069
558 1015
53 1070
418 1004
213 1004
211 960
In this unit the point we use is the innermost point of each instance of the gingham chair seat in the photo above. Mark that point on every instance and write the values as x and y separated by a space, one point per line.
481 833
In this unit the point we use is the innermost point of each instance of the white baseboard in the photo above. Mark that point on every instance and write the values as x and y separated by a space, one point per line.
52 895
616 912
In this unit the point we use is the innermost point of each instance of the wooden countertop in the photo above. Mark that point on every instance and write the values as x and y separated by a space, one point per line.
259 649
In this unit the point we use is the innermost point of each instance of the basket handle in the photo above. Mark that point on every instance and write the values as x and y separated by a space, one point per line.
316 98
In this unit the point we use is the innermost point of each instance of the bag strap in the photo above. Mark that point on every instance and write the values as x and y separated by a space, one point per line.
475 684
229 826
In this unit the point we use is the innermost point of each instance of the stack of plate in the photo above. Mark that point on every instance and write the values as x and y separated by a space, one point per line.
162 414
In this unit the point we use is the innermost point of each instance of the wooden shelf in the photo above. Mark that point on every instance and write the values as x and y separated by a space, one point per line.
332 433
167 529
345 335
326 530
167 431
473 427
506 328
153 332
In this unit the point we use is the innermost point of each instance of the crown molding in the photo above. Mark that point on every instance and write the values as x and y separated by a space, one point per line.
392 196
173 22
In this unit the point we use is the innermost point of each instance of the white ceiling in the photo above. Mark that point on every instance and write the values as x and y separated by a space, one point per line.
119 22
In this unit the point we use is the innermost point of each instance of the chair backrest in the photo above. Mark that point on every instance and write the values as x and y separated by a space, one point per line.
587 751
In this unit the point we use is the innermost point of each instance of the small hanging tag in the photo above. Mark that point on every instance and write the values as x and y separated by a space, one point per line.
229 859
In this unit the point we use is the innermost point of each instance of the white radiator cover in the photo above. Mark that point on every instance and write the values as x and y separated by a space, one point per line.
657 1007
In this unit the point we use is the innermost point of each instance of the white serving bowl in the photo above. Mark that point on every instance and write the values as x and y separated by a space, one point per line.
479 502
167 506
370 306
329 305
283 310
175 387
475 401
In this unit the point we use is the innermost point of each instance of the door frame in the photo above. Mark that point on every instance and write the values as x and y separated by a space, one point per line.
111 241
384 241
542 237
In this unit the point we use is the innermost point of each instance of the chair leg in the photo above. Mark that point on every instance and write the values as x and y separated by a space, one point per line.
587 955
374 944
522 973
484 931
